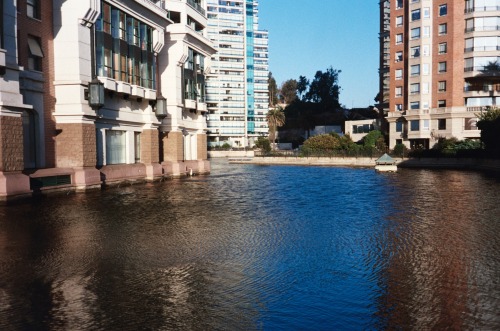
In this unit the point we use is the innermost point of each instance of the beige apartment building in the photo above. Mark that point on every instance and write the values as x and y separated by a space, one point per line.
94 93
439 68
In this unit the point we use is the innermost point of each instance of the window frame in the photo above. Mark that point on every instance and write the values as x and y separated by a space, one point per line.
442 67
33 9
440 9
443 29
443 45
442 86
35 53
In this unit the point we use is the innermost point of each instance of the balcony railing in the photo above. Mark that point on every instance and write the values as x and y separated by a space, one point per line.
196 6
482 49
481 9
483 28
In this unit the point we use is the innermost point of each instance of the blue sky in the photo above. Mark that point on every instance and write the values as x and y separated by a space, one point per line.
310 35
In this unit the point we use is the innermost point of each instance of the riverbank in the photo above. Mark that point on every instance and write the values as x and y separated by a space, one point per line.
367 162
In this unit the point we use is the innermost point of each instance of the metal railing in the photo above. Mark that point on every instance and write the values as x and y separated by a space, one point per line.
196 7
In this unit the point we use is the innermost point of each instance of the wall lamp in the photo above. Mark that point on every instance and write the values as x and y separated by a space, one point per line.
161 107
95 94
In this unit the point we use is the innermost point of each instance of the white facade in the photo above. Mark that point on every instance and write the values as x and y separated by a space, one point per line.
237 86
188 60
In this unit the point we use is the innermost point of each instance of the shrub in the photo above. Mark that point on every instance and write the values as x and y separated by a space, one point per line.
264 144
226 146
400 150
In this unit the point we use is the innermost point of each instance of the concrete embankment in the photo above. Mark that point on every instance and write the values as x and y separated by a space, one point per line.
424 163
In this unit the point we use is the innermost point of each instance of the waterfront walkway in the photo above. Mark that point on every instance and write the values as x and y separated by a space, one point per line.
369 162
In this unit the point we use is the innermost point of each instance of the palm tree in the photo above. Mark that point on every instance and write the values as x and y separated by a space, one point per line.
275 118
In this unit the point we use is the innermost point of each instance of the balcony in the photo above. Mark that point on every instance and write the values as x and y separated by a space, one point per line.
196 6
482 9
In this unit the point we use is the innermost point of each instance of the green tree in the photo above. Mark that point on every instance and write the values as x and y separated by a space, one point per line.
372 139
322 143
264 144
489 124
302 85
275 118
288 91
273 90
324 89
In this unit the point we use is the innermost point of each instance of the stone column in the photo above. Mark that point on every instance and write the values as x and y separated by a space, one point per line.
173 153
12 181
150 153
76 149
202 146
203 163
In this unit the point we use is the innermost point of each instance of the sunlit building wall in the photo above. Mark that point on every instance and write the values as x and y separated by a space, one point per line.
237 86
439 77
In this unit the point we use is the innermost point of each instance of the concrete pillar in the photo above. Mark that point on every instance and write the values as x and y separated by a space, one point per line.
12 181
150 153
202 146
173 146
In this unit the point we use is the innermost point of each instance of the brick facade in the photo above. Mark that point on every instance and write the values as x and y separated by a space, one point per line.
11 143
173 147
150 147
76 145
202 147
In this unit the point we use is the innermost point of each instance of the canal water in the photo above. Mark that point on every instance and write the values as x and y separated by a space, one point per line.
258 248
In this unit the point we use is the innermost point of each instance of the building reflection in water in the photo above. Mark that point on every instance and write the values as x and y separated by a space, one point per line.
437 269
256 248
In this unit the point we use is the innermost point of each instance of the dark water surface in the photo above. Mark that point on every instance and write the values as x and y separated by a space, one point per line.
259 248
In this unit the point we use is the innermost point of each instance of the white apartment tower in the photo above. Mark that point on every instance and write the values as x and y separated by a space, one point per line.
237 85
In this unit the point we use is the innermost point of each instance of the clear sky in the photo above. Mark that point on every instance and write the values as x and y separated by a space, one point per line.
310 35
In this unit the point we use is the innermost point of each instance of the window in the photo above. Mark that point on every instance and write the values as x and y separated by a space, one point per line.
426 51
115 147
425 88
427 12
399 38
442 124
427 31
415 15
441 103
442 66
425 68
399 4
470 123
399 56
399 73
33 8
414 125
442 48
415 105
137 147
415 88
443 28
399 126
425 125
399 107
442 86
415 70
399 91
35 55
124 48
399 21
415 51
443 10
415 33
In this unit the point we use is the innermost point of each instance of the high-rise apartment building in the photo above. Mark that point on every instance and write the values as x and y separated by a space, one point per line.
237 85
444 68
